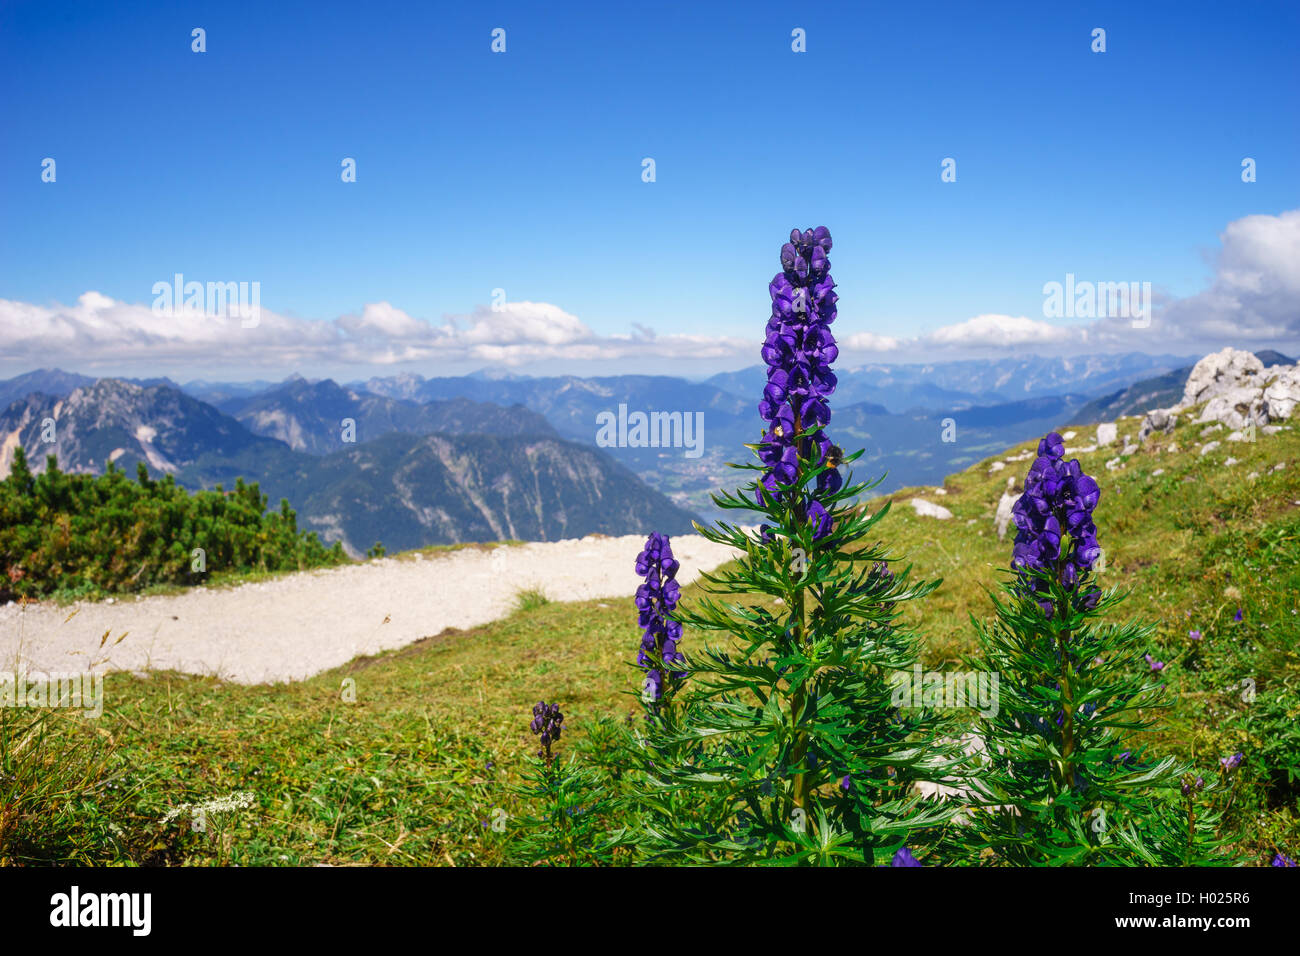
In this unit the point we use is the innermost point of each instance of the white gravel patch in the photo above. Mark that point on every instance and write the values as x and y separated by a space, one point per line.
294 626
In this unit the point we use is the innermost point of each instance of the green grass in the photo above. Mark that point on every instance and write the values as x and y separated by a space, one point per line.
404 758
530 599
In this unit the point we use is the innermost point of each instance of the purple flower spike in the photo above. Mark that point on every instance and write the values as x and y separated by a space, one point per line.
798 350
1055 529
655 602
548 724
1233 762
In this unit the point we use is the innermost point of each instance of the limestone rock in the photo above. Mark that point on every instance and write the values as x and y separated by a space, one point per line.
928 509
1237 408
1283 393
1005 503
1107 433
1158 420
1220 372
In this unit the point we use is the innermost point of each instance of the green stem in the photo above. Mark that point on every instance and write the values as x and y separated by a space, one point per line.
799 752
1067 729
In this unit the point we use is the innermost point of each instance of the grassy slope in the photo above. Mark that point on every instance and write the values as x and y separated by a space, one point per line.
414 769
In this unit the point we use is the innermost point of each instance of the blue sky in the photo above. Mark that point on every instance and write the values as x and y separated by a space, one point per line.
522 170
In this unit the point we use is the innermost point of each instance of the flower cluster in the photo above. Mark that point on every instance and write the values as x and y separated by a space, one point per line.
1058 500
549 723
655 601
798 351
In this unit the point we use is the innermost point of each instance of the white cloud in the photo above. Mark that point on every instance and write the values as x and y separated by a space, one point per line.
870 342
1252 299
1000 331
1255 294
100 331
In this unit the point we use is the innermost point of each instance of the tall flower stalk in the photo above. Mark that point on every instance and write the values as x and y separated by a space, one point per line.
655 601
1065 779
784 745
572 801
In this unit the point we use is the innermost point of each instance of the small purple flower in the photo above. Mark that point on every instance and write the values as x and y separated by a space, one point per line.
1281 859
904 858
845 783
1233 762
1156 666
1237 617
548 723
1194 635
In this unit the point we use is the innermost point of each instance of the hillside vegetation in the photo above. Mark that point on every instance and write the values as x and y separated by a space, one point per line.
87 535
408 758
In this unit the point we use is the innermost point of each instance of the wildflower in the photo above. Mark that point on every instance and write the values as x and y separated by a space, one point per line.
1233 762
798 351
1057 503
1281 859
1237 617
1156 666
1194 635
904 858
655 601
233 803
845 783
548 723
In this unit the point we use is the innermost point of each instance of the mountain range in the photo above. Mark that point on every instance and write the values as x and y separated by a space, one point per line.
509 477
410 460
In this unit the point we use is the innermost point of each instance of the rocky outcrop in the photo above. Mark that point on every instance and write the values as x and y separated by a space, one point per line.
1237 391
1221 372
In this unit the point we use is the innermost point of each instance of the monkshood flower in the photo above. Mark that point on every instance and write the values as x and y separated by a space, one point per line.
547 722
904 858
655 601
798 351
1054 517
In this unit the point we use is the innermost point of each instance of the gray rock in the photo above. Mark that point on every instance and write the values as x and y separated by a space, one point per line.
1107 433
1282 395
1005 503
1158 420
1237 408
1209 447
1220 372
928 509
